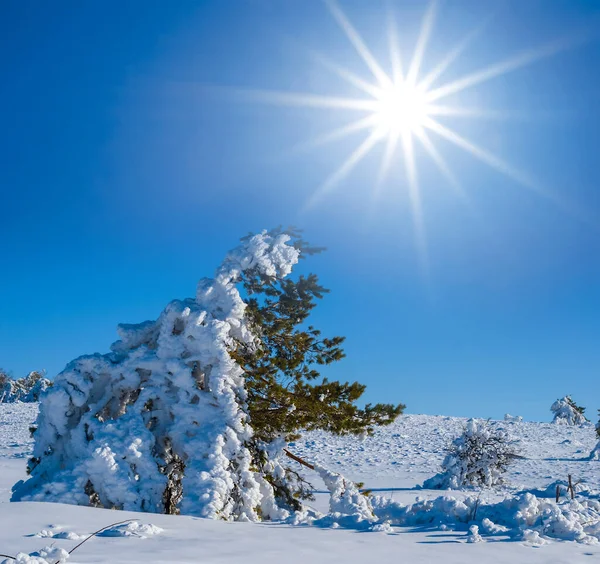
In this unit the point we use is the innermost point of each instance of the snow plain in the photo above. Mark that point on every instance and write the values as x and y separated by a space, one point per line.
392 462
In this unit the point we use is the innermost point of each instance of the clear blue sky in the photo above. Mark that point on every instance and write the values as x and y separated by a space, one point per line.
127 169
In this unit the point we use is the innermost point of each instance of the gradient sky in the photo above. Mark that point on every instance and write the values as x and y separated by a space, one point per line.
129 166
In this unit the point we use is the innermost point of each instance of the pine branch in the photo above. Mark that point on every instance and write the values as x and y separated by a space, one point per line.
298 459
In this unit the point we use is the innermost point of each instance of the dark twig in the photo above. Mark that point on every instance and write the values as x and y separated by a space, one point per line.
298 459
7 556
571 488
476 507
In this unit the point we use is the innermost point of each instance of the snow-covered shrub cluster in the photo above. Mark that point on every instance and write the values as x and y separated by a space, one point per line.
567 412
160 423
27 389
513 418
522 517
479 457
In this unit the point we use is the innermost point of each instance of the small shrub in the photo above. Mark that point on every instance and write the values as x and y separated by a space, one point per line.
567 412
479 457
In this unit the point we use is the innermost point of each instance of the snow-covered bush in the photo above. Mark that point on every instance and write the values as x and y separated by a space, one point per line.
513 418
160 423
567 412
595 454
27 389
479 457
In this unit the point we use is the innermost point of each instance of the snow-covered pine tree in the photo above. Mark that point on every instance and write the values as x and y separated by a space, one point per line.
27 389
567 412
163 422
595 454
479 457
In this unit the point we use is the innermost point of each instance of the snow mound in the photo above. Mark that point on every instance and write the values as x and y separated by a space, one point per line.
133 529
57 532
348 507
46 555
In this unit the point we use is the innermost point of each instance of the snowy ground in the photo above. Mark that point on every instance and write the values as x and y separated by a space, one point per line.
394 461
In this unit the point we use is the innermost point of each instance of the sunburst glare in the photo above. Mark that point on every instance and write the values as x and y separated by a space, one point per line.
400 109
403 107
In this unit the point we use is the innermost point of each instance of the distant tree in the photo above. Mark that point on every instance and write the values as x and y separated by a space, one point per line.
479 457
27 389
595 454
567 412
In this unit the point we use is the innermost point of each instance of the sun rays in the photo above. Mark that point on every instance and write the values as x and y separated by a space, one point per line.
401 108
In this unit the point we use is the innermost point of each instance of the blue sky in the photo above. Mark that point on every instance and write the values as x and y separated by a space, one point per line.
130 164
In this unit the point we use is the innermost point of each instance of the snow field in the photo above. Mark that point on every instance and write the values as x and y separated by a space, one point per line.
396 459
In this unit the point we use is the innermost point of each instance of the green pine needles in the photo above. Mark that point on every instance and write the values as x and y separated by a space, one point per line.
286 392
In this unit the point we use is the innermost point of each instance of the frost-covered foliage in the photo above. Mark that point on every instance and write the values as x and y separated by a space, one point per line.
567 412
131 529
479 457
348 507
160 423
27 389
522 517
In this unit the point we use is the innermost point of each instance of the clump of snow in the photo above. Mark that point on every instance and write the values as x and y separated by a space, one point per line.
474 535
131 529
513 418
566 412
533 538
492 528
479 457
57 532
595 454
160 424
348 507
46 555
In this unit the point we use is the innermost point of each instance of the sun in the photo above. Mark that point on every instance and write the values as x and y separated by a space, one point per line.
404 109
400 109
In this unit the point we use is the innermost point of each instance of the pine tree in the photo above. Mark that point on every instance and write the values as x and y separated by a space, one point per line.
190 412
286 393
567 412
